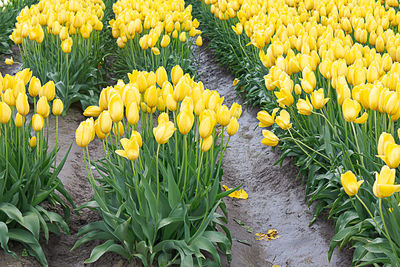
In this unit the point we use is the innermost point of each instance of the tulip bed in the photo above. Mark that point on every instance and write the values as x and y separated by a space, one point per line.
29 184
62 41
154 33
330 73
159 187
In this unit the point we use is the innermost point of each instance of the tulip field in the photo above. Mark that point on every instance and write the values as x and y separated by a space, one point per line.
323 76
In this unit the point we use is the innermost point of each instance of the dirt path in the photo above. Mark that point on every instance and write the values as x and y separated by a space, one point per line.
275 200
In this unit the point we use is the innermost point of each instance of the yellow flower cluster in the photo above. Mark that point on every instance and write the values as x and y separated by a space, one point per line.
62 18
155 21
149 92
303 36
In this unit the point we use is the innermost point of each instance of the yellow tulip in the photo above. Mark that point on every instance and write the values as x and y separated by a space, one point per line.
185 120
283 120
5 113
163 132
99 133
22 104
350 183
232 127
161 76
391 155
43 108
304 107
384 183
131 149
9 61
270 139
58 107
207 143
132 113
116 108
136 135
351 109
8 98
206 127
171 103
92 111
155 51
48 90
34 86
83 134
66 45
176 74
165 41
32 142
318 99
223 116
19 120
199 41
163 118
236 110
37 122
105 122
265 118
151 96
284 97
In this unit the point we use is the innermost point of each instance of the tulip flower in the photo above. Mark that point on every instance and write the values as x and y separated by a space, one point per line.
43 107
131 149
22 104
105 122
161 75
284 97
207 143
270 139
116 108
151 96
283 120
8 98
206 127
304 107
185 121
232 127
163 132
136 135
99 133
19 120
92 111
34 87
9 61
118 129
236 110
5 113
351 109
384 183
199 41
176 74
48 90
350 183
265 118
223 116
318 99
32 142
83 134
58 107
37 122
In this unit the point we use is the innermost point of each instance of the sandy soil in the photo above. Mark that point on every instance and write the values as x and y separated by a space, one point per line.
275 200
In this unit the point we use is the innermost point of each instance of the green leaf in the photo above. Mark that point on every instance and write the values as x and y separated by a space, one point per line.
108 246
32 223
12 212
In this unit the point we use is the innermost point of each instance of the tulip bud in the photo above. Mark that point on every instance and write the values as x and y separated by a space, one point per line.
161 75
22 104
318 100
8 98
48 90
83 134
151 97
270 139
99 133
92 111
236 110
116 108
171 103
43 107
207 143
58 107
37 122
176 74
105 122
165 41
141 82
19 120
5 113
34 87
223 115
185 122
283 120
132 113
232 127
9 61
384 183
199 41
32 142
206 127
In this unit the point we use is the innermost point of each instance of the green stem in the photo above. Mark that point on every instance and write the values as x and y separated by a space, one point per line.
387 232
